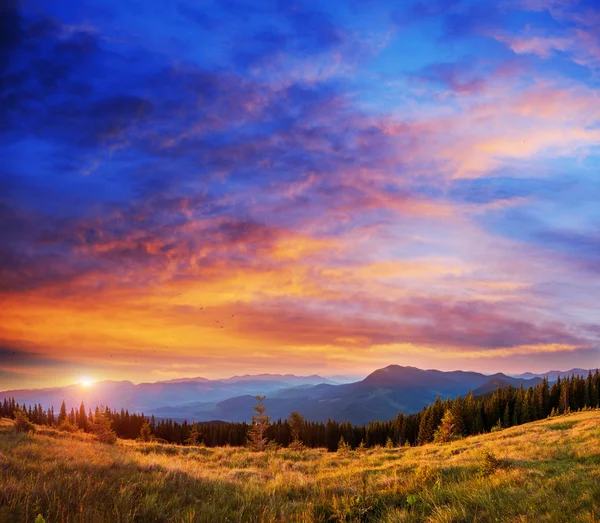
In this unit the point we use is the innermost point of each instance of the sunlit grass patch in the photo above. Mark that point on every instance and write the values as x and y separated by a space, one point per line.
532 473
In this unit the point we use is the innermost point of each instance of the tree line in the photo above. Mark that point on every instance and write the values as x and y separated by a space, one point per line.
442 420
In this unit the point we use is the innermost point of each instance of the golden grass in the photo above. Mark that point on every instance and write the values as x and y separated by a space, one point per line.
547 471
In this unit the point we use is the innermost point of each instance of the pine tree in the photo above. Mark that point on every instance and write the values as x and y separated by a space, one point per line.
457 414
145 432
426 427
260 422
102 427
506 417
195 435
296 423
525 407
564 404
594 390
62 415
82 420
445 431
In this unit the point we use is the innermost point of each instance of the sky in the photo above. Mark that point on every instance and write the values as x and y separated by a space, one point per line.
209 188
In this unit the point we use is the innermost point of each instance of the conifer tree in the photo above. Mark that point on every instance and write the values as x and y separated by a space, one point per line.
296 423
145 432
82 420
71 417
195 435
62 415
260 422
594 390
564 404
445 431
426 427
102 427
506 417
525 407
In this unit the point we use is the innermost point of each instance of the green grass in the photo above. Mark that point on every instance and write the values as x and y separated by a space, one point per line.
562 425
543 471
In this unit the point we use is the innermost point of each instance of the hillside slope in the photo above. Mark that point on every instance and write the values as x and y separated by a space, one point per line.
545 471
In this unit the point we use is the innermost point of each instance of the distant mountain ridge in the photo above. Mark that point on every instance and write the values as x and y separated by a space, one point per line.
553 375
149 396
380 395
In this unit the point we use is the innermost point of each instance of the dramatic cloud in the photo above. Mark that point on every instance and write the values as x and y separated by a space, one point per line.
234 187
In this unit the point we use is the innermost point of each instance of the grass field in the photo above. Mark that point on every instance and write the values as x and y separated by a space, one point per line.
543 471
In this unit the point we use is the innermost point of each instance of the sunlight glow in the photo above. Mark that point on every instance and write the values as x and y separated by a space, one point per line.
86 382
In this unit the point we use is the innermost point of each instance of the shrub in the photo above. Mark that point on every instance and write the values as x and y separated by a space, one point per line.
297 446
66 426
343 447
497 427
22 424
102 429
425 475
106 436
489 463
411 500
272 446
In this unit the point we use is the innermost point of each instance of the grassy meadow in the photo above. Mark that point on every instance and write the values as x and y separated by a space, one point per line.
543 471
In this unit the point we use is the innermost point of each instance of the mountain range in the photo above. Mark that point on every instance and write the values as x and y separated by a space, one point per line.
553 375
379 396
149 396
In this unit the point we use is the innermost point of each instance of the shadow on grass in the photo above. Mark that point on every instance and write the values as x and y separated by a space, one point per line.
120 491
563 425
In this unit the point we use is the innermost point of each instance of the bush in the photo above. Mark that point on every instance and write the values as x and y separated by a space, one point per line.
497 427
66 426
489 463
411 500
343 447
296 446
22 424
102 429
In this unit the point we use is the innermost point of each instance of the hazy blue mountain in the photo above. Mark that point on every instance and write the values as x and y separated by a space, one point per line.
381 395
150 396
554 374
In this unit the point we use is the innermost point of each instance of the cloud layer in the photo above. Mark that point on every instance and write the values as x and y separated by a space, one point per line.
237 188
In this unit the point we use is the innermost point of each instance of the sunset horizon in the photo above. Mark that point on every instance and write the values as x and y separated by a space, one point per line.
322 188
88 381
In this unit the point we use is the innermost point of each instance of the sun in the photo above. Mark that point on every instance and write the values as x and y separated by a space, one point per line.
86 382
